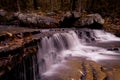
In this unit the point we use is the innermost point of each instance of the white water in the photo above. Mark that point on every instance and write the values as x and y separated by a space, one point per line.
105 36
54 50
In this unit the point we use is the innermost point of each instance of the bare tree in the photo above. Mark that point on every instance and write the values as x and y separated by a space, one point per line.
92 4
18 6
80 6
61 3
35 4
52 5
73 4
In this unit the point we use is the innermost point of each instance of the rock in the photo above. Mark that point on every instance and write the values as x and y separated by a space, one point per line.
16 14
76 14
91 18
51 14
3 12
3 17
68 19
22 17
114 49
68 14
117 33
90 21
97 18
32 19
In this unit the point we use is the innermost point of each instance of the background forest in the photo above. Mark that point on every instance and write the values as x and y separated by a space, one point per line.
103 7
109 10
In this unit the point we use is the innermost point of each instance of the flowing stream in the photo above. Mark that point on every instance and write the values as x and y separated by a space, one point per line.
70 54
55 50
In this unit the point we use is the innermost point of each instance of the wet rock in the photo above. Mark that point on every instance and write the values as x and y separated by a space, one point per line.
103 68
114 49
117 33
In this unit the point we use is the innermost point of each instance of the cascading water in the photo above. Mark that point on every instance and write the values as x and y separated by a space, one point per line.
55 49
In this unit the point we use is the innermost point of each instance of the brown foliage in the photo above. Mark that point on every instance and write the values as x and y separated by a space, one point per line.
104 7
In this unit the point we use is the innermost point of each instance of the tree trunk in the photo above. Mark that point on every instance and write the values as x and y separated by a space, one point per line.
35 4
18 6
52 5
61 4
92 4
73 4
80 6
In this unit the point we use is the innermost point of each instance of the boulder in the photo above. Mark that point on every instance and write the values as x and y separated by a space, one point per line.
3 12
68 19
117 33
90 21
3 16
97 18
33 19
51 14
76 14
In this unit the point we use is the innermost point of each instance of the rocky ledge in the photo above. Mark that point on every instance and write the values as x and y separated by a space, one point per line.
16 43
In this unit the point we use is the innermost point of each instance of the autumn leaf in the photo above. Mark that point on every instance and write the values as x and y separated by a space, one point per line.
10 34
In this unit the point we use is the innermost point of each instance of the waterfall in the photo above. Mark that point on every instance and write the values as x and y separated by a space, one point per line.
88 35
55 49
